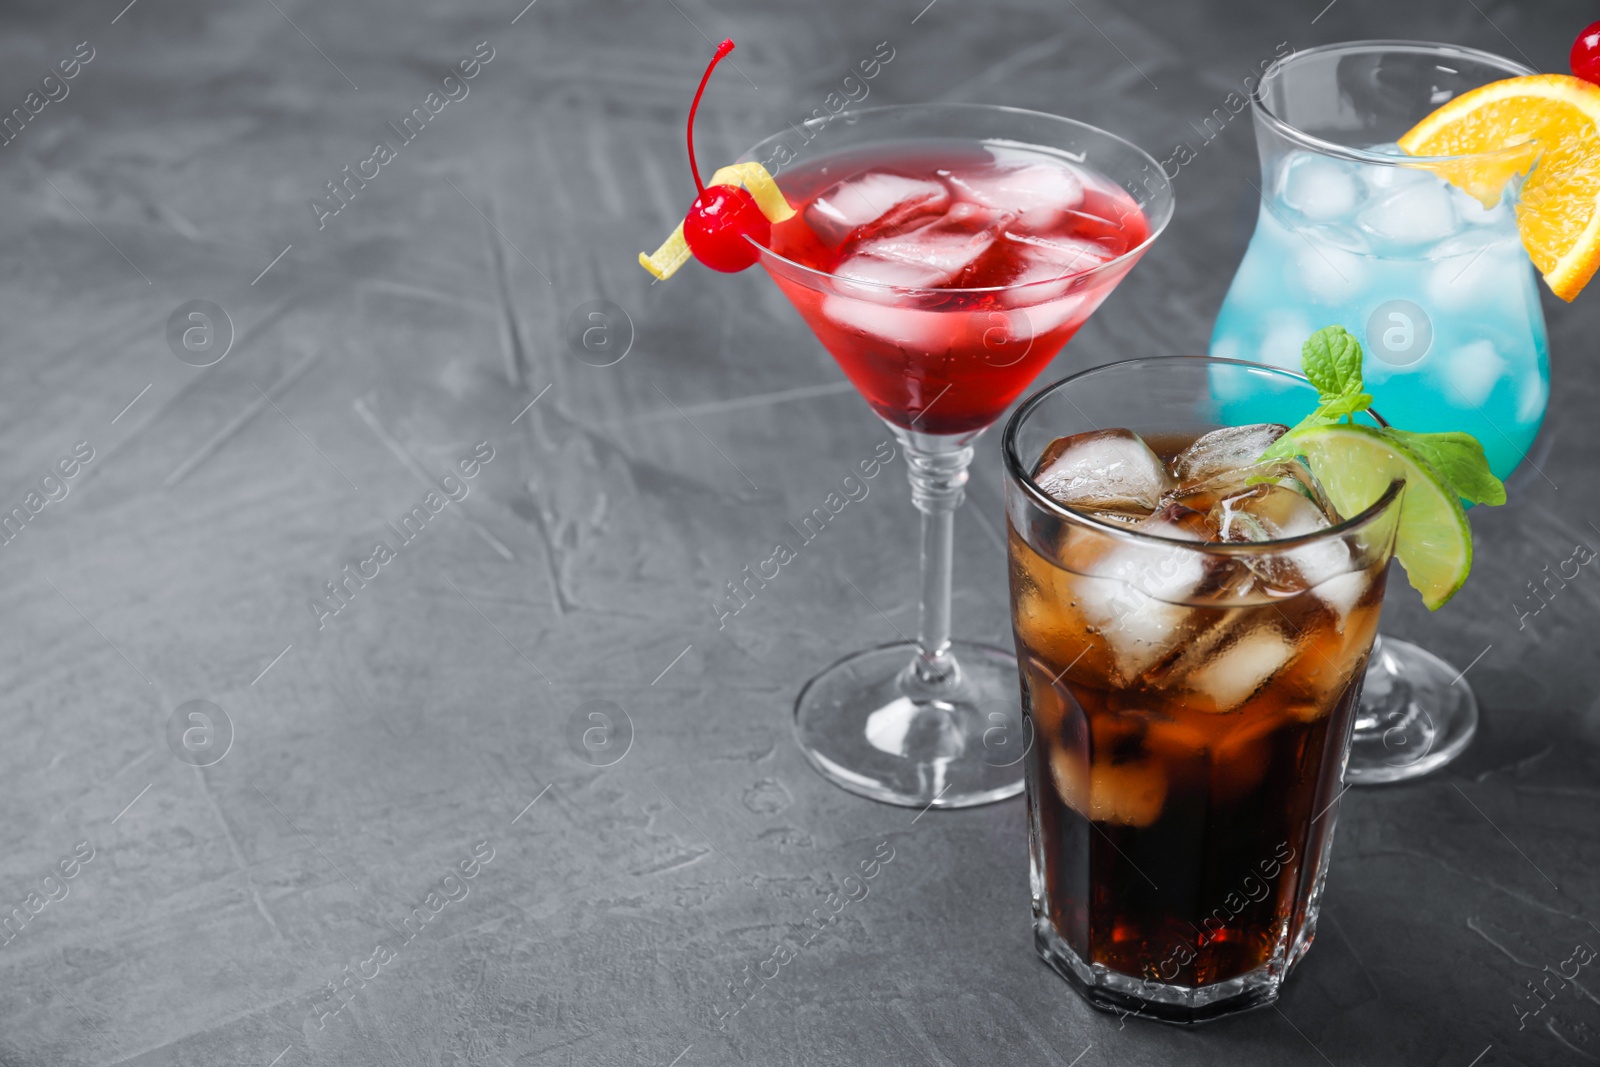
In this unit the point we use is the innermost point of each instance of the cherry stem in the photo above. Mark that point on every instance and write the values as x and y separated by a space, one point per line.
722 49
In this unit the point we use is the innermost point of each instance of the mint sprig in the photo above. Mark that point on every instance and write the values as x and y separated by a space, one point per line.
1459 458
1331 359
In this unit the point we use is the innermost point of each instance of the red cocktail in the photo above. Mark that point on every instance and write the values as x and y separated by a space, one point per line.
968 261
943 253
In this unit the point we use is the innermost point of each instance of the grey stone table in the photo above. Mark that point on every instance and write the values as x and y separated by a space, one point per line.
416 742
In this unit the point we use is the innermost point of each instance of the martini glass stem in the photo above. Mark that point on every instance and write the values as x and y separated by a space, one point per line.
938 481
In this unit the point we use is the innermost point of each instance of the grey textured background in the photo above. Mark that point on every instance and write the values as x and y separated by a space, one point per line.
371 755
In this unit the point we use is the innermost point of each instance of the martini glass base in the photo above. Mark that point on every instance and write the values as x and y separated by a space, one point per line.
1417 714
871 726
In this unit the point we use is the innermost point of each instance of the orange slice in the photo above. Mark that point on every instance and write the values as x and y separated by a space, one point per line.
674 252
1558 118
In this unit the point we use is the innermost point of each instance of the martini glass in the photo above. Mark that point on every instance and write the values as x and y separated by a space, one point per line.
935 722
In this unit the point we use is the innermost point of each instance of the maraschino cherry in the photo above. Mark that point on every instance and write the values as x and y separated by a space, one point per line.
1585 56
722 216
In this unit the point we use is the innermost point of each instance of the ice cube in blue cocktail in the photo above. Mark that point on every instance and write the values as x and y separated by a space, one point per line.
1437 287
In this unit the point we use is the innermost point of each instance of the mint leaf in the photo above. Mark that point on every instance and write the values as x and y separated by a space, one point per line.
1331 358
1459 459
1346 404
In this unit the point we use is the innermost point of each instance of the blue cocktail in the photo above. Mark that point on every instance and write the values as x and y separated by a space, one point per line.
1438 288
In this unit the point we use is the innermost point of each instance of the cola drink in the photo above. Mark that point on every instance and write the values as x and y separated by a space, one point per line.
1192 629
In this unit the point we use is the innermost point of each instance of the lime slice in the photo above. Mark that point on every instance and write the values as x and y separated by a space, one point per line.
1355 464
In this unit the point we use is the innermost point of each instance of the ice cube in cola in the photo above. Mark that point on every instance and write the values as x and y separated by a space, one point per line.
1227 449
1108 470
1189 702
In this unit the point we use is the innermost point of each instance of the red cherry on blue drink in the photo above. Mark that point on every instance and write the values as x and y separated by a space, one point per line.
1585 56
718 222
